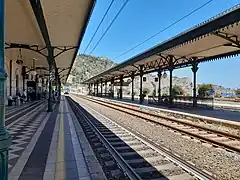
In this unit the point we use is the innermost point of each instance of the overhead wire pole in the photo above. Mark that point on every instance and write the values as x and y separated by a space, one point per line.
5 138
110 25
109 7
141 43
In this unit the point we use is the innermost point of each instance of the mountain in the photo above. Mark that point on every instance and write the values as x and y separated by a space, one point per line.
87 66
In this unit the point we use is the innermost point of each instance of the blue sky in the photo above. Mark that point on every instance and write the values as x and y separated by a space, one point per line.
143 18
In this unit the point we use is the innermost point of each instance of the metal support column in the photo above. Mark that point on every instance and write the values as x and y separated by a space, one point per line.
159 85
170 87
23 76
59 89
101 87
50 109
94 88
89 88
97 88
36 81
10 79
141 82
58 86
194 70
132 78
121 86
171 67
112 88
5 139
105 88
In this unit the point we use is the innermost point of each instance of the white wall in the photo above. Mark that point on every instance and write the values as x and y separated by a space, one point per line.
16 70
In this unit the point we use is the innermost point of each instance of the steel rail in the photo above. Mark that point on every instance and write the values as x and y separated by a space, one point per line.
21 113
18 108
161 150
30 112
123 164
226 146
174 120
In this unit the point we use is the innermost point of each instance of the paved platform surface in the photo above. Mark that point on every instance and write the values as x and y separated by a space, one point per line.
218 114
51 146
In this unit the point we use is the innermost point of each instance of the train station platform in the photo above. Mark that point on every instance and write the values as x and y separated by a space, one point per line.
216 114
51 146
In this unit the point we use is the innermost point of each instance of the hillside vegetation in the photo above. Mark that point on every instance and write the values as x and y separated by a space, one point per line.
87 66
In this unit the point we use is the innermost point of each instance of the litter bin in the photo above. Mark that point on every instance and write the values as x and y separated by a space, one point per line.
18 101
10 101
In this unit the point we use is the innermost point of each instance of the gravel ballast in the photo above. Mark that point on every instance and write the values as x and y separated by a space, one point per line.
224 165
188 119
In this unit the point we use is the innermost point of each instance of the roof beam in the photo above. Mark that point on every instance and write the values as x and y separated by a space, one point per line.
231 38
38 12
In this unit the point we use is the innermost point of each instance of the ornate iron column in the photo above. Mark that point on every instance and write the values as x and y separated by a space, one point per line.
170 87
121 85
141 88
159 85
101 87
171 68
50 86
194 70
94 88
5 139
105 88
58 87
112 87
10 79
97 88
89 88
24 76
132 77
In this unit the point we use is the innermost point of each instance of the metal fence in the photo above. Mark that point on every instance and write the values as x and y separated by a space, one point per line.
182 101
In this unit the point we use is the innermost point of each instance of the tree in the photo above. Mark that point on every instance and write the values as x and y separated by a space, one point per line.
237 92
177 90
145 92
203 90
164 94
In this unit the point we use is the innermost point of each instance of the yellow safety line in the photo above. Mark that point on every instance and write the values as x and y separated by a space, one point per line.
60 166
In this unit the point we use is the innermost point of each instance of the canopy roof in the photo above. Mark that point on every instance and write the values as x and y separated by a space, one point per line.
35 25
213 39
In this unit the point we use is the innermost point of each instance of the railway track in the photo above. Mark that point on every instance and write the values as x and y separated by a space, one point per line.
12 110
138 157
19 112
217 138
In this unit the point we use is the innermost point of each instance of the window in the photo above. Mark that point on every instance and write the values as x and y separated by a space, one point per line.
144 79
156 79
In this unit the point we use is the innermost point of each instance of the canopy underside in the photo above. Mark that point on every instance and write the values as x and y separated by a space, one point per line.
66 22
